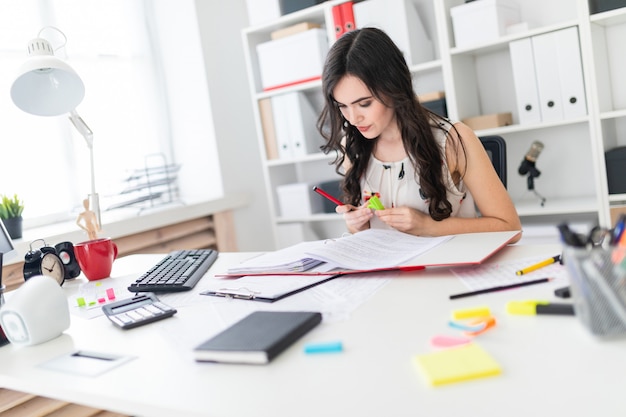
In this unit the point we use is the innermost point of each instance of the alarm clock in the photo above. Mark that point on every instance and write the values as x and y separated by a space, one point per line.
43 261
65 250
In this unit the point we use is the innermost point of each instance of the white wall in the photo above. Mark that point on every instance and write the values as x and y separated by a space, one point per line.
220 24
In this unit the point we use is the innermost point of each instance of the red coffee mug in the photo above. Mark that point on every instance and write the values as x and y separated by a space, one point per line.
96 257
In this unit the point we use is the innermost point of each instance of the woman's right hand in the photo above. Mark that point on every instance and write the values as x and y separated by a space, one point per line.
356 218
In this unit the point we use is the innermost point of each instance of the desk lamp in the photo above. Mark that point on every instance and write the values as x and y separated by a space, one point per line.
48 86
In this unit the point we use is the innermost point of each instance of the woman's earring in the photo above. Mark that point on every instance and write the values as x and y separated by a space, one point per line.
345 124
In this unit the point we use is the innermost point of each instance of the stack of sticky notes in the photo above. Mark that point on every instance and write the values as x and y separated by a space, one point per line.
456 364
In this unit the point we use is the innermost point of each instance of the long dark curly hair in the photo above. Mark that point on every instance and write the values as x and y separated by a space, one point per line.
370 55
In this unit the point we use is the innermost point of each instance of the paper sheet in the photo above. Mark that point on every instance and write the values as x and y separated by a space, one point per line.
503 273
374 248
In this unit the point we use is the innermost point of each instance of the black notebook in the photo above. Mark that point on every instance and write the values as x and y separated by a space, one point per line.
257 338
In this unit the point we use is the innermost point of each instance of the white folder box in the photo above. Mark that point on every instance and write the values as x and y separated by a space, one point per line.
295 122
527 95
571 73
548 73
483 21
293 59
400 20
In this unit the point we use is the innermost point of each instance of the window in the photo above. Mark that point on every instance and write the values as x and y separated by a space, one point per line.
140 101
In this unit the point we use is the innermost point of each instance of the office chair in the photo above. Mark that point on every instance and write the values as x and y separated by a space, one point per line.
496 149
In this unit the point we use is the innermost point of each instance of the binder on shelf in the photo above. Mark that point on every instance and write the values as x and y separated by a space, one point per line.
281 127
547 72
347 15
295 124
400 20
338 21
571 73
525 80
559 74
268 128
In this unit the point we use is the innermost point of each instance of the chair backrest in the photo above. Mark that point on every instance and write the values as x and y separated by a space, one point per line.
496 149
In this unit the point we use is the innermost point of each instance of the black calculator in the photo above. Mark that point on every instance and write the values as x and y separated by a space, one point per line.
137 311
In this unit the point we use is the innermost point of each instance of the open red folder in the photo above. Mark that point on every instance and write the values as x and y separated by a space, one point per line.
341 255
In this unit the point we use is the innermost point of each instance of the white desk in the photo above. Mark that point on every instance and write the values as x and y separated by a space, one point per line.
551 364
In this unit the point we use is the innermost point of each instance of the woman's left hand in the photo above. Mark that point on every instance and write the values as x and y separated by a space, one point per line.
405 219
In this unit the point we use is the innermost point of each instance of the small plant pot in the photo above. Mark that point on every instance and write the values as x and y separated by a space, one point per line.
14 227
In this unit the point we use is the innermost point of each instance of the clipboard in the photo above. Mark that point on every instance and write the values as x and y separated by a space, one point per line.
268 288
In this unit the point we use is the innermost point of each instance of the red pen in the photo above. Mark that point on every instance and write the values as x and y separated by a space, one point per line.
328 196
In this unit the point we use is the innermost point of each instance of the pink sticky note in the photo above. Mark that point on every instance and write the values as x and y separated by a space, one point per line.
442 341
110 293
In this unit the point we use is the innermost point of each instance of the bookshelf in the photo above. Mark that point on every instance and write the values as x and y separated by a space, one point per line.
478 79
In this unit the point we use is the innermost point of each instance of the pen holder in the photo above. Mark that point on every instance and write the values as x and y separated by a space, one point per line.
598 285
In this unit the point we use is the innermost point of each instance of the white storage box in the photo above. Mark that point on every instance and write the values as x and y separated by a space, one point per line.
299 199
292 60
483 21
400 20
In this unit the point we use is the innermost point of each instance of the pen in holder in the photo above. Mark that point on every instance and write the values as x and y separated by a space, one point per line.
598 286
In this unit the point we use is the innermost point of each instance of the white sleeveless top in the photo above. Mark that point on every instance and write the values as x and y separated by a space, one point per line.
396 184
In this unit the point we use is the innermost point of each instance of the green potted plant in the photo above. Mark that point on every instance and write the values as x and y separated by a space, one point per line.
11 209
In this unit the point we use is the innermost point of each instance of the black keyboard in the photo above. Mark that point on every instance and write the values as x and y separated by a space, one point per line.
178 271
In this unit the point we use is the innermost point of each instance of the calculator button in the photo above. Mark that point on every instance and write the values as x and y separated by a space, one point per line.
123 318
153 310
134 315
143 312
162 306
117 320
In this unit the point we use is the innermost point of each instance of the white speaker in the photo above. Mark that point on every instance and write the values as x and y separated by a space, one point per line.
36 312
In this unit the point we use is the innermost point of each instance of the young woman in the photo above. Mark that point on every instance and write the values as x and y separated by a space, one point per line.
429 173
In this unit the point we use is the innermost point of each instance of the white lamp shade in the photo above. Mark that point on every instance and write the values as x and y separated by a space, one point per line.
47 86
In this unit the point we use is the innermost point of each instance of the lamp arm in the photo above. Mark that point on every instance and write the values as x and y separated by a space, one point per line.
82 128
85 131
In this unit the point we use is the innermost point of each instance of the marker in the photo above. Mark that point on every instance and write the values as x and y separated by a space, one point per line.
541 264
330 347
530 307
618 230
328 196
500 288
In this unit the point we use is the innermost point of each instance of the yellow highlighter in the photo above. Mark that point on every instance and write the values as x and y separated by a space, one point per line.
532 307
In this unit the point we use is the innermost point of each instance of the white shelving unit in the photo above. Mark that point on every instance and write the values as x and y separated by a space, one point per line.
478 80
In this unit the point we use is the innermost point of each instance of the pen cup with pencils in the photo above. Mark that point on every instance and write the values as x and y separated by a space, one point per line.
598 286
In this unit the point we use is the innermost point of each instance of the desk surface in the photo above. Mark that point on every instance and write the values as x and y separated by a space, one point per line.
551 364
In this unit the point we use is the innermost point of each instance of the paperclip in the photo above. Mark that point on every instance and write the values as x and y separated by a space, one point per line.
467 327
487 322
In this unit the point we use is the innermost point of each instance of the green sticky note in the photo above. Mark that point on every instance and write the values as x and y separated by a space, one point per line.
81 302
374 203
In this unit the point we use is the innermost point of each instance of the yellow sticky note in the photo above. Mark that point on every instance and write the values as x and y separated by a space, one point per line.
456 364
